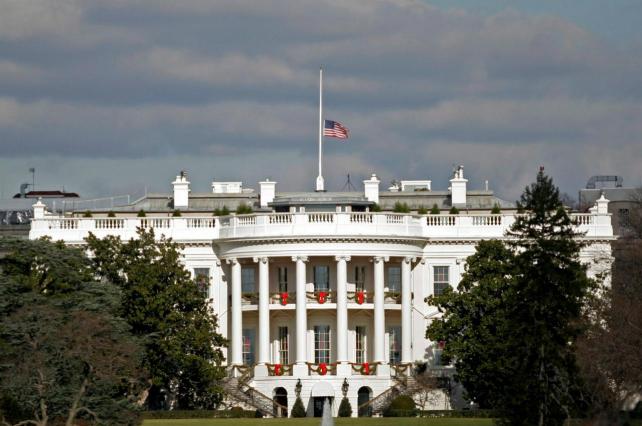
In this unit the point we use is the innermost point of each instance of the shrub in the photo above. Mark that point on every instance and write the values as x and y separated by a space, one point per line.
243 209
496 209
435 209
87 214
345 409
298 410
401 406
375 208
222 211
111 214
176 213
141 213
422 210
401 207
453 210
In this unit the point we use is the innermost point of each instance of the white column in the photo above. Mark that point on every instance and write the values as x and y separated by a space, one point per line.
236 335
301 317
342 315
406 310
379 314
264 314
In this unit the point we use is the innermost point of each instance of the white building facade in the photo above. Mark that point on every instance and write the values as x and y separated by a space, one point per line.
319 295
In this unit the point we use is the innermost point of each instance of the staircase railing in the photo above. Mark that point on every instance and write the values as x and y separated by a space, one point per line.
238 386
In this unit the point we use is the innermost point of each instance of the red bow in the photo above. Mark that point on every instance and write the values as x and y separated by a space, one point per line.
284 299
323 369
277 369
366 368
321 296
441 344
360 297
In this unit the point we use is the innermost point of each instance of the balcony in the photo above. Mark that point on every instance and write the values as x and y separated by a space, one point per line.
279 225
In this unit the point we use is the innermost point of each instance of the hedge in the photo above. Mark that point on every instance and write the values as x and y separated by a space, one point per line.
199 414
482 414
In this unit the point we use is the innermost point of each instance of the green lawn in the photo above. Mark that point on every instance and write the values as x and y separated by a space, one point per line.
399 421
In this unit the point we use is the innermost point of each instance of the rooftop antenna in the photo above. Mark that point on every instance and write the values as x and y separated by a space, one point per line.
349 186
32 170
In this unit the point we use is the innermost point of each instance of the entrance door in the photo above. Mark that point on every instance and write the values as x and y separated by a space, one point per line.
318 402
363 395
280 402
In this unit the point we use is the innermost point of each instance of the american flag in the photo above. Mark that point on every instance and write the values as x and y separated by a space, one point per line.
334 129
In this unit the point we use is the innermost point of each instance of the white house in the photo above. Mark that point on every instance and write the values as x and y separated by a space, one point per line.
318 294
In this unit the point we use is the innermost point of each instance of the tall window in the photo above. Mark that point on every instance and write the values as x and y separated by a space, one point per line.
321 278
284 347
394 334
441 279
321 344
202 278
360 278
247 280
283 279
394 279
249 336
624 217
361 344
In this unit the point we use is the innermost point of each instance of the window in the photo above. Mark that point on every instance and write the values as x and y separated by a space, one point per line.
283 279
247 280
321 278
360 278
624 218
202 278
361 344
249 337
441 279
394 334
284 347
394 279
321 344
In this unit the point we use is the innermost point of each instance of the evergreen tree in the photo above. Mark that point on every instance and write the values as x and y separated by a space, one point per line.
345 408
65 353
164 305
519 311
298 410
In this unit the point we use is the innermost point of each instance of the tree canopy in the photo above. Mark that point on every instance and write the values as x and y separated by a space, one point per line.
65 353
165 306
513 325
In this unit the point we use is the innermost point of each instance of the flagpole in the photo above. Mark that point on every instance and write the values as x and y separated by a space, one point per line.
320 186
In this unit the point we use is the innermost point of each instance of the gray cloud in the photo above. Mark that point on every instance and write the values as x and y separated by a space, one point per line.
232 86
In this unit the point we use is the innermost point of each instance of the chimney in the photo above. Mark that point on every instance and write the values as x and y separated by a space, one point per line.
181 191
268 190
371 188
39 209
458 188
602 205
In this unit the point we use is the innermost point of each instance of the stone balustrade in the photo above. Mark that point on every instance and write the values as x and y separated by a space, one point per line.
204 228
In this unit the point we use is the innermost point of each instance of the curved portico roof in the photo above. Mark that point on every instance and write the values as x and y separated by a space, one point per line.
322 388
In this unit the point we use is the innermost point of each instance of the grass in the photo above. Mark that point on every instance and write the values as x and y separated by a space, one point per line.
381 421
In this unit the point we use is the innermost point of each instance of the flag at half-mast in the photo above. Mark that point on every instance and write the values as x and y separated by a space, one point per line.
334 129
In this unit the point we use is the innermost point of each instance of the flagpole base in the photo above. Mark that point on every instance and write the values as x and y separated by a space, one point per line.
320 184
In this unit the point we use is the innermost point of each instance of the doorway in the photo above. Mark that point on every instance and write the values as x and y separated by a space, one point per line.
364 395
317 405
280 402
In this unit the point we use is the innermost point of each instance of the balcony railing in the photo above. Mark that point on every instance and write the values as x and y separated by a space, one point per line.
204 228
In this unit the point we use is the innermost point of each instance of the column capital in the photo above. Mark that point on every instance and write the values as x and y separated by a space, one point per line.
261 259
342 257
423 260
232 261
409 259
377 259
301 258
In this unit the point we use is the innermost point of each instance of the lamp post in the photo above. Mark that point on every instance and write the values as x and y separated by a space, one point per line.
344 387
297 388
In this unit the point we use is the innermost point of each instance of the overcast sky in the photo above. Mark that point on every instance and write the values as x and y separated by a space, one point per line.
107 97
